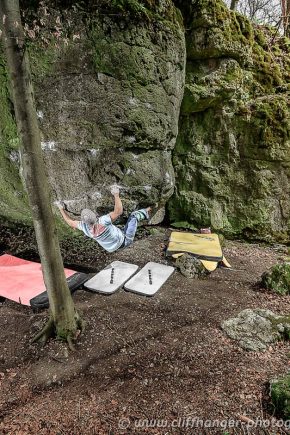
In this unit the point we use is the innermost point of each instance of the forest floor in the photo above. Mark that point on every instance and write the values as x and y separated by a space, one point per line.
139 358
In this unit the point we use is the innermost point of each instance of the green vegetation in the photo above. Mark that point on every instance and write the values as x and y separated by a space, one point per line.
280 395
183 225
278 279
150 10
13 200
134 6
42 59
232 153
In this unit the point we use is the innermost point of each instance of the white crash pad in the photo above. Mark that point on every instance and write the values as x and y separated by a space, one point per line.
112 277
149 279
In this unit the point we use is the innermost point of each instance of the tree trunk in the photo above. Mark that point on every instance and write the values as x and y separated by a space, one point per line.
234 4
64 319
286 16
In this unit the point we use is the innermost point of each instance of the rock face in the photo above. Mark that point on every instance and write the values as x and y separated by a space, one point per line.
277 279
257 329
108 97
108 105
232 157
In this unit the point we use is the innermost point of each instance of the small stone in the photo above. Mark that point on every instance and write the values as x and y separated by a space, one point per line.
190 266
157 217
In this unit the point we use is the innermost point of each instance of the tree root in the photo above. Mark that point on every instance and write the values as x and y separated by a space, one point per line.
46 332
49 330
70 343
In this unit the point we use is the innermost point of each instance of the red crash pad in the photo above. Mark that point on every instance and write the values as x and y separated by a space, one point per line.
22 280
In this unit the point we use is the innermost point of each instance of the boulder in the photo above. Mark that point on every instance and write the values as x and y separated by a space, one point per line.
191 267
205 137
277 279
108 102
232 155
257 329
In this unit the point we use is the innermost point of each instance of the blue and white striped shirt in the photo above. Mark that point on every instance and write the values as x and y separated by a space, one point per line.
108 235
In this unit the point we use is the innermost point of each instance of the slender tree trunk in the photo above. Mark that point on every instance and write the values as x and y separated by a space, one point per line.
64 319
285 4
234 4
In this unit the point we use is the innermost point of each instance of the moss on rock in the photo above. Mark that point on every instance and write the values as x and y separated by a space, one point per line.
232 153
13 201
278 279
108 86
257 329
280 396
191 267
114 93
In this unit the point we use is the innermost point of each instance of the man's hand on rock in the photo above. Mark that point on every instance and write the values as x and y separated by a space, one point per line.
59 204
115 190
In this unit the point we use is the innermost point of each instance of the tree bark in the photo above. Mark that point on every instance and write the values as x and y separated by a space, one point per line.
234 4
285 4
62 311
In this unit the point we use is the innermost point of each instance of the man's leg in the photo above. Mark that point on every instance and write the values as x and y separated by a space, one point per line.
132 223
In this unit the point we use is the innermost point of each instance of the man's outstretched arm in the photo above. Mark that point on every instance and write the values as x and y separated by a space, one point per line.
118 209
73 224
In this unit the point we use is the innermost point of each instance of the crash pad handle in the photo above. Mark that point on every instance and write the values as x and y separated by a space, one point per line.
112 276
150 276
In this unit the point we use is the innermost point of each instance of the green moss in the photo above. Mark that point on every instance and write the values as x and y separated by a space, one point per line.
13 198
282 324
231 34
184 225
147 10
167 14
232 150
280 395
265 127
42 59
213 89
7 123
122 58
226 33
278 279
197 98
134 6
123 61
13 201
191 207
267 72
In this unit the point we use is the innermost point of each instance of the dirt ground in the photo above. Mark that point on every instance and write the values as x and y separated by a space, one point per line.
140 358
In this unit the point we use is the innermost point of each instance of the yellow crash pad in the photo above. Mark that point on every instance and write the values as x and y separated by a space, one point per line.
225 262
203 246
209 265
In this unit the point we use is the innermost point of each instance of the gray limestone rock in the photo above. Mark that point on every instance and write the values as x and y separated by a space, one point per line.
190 266
257 329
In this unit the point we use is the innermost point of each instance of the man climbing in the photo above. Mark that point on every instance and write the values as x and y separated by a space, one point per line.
101 228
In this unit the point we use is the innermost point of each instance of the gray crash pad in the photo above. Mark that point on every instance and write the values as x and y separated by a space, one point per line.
112 277
149 279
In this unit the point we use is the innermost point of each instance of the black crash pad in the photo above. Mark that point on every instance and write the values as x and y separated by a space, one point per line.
74 282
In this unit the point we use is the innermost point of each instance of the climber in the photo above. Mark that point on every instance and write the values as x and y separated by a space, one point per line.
101 228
